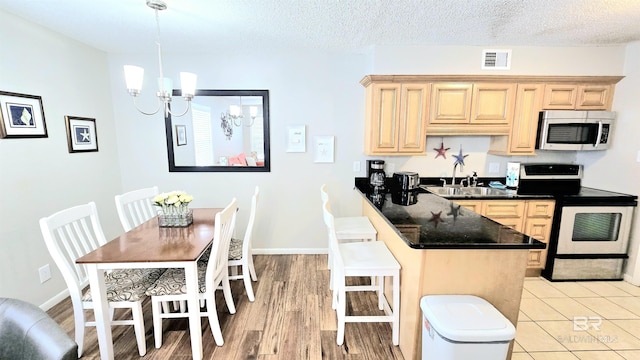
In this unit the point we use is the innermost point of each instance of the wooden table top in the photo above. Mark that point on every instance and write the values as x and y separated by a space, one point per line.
151 243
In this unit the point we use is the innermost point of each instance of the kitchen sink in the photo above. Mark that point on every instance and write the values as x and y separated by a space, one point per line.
458 191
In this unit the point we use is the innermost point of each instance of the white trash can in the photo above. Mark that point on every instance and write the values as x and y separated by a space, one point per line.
462 327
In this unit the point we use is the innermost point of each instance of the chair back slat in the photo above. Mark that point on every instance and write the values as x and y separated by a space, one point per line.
136 207
338 263
225 222
248 234
70 234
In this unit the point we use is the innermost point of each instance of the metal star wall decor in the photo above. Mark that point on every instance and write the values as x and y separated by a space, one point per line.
442 150
460 158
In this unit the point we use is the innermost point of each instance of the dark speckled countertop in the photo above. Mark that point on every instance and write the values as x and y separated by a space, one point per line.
428 221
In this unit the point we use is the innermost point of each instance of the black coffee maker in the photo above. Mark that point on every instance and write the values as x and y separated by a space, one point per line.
376 175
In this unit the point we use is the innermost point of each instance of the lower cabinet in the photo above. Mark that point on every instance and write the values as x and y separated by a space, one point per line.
530 217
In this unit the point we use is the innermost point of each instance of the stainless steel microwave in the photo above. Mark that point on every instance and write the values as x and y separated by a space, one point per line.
575 130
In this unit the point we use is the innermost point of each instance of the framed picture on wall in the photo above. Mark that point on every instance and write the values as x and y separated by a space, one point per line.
181 135
81 134
21 116
323 146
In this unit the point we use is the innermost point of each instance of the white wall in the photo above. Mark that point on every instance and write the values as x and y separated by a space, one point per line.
318 89
39 176
617 169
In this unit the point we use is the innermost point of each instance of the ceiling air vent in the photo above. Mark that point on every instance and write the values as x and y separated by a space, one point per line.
496 59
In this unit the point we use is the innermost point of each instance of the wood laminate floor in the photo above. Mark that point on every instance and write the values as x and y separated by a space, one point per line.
290 319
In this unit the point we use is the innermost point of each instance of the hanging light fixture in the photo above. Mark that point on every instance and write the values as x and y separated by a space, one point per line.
235 114
134 75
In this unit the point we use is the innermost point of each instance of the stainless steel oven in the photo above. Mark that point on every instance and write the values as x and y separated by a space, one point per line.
590 230
594 229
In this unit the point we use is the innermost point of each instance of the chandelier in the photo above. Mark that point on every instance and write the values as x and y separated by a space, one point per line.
135 74
235 116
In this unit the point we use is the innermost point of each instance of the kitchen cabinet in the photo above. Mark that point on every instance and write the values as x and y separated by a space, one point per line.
401 110
522 138
477 108
505 212
578 97
537 224
395 118
530 217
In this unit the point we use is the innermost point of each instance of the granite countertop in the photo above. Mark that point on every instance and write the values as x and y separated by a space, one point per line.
428 221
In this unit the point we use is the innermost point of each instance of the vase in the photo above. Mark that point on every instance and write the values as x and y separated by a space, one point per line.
175 216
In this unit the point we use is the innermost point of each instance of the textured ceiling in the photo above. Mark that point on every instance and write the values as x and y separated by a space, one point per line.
213 25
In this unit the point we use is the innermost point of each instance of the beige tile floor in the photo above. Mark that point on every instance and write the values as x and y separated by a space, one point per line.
597 320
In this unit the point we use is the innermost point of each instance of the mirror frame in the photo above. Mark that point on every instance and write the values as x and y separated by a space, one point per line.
267 146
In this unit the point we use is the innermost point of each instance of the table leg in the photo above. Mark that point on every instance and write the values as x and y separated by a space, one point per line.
193 303
101 311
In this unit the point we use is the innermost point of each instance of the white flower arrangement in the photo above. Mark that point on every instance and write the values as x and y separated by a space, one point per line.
174 202
173 198
175 208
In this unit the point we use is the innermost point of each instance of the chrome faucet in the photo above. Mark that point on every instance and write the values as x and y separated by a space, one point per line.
453 176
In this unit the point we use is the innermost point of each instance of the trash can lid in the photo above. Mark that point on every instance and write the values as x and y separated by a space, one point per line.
466 318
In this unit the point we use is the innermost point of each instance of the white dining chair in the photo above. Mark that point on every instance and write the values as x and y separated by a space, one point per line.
363 259
172 286
240 253
348 228
136 207
71 233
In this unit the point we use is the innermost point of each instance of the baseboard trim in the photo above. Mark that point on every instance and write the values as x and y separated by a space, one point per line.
55 300
289 251
628 278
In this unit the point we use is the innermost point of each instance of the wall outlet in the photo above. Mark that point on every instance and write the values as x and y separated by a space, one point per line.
494 168
45 273
356 166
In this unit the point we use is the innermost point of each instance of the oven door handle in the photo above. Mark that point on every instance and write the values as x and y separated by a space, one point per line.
599 136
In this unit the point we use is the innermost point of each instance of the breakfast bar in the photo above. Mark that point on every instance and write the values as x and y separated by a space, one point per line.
444 248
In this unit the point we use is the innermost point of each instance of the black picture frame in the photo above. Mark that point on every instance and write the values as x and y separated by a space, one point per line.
82 135
21 116
201 94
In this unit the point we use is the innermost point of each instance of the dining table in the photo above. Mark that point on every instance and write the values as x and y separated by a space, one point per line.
152 246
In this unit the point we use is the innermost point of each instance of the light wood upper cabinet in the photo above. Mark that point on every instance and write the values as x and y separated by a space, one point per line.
395 118
560 96
594 97
522 139
401 110
412 137
451 103
577 97
493 103
460 108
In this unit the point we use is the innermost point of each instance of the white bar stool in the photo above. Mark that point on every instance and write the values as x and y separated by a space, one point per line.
349 228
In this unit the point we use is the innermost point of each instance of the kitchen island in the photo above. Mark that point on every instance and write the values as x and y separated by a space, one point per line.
444 248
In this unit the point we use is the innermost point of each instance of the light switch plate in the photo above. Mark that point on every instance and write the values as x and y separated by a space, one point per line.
45 273
356 166
494 168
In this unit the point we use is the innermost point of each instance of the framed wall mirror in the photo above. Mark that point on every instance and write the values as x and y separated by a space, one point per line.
225 130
